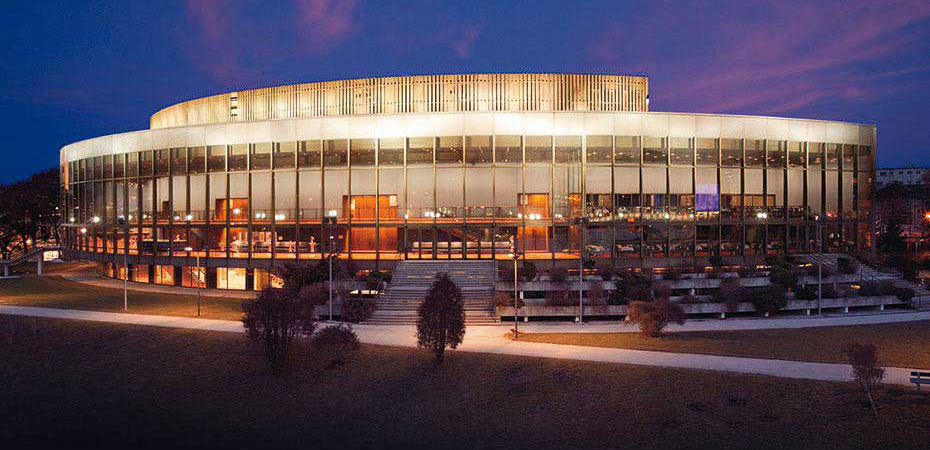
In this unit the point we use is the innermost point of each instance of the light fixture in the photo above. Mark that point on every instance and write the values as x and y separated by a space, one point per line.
95 219
188 249
279 217
189 217
331 213
71 219
177 217
83 230
236 211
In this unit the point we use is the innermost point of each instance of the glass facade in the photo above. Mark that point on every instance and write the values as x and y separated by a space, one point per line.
469 197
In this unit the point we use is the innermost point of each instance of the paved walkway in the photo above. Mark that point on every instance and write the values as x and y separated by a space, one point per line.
742 323
491 340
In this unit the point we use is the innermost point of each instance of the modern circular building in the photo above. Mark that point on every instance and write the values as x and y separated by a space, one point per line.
470 166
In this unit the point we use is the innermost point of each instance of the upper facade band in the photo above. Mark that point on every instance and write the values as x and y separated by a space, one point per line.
415 94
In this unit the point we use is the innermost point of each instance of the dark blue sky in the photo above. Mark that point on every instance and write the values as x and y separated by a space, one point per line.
72 70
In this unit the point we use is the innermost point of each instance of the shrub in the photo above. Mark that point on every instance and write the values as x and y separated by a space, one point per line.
356 308
864 361
905 294
596 295
558 275
731 293
528 272
616 297
653 317
605 272
769 299
375 279
806 292
639 292
277 317
441 317
335 343
716 261
783 275
559 297
845 265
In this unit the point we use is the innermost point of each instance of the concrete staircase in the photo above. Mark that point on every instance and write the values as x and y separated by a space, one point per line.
412 279
921 298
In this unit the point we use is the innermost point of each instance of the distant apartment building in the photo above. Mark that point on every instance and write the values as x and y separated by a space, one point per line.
908 176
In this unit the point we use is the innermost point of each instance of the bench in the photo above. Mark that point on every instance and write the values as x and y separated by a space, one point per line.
919 378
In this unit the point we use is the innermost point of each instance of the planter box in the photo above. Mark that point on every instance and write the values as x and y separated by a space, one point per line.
698 308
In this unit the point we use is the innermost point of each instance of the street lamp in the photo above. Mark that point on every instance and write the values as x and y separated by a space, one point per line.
330 220
819 265
582 222
515 254
189 250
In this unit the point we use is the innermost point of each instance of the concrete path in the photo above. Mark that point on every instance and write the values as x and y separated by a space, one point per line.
743 323
492 340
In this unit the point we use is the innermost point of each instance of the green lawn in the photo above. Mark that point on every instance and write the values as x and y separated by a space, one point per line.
52 291
78 384
905 344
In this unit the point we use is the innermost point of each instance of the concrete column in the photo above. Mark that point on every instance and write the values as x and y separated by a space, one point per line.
723 315
807 312
39 257
845 309
881 307
6 270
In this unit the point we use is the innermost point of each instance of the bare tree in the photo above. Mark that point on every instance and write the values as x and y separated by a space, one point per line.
441 317
864 361
277 317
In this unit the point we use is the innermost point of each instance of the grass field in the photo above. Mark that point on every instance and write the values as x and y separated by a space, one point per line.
56 292
905 344
78 384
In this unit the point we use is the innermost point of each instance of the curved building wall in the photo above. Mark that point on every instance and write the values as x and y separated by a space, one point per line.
656 187
415 94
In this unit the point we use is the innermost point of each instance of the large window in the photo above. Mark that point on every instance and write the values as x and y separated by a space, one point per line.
567 149
707 152
508 150
628 150
654 151
261 156
450 150
539 149
284 155
335 153
391 152
308 154
599 149
478 150
362 152
420 151
680 152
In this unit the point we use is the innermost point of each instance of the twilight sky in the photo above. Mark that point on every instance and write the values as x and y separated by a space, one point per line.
72 70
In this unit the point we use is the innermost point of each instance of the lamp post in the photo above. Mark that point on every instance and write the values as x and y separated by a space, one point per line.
515 254
197 256
330 220
122 223
582 222
819 265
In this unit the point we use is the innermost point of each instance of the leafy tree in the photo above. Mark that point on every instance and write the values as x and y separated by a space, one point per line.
890 239
24 225
865 369
652 317
277 317
335 343
441 317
